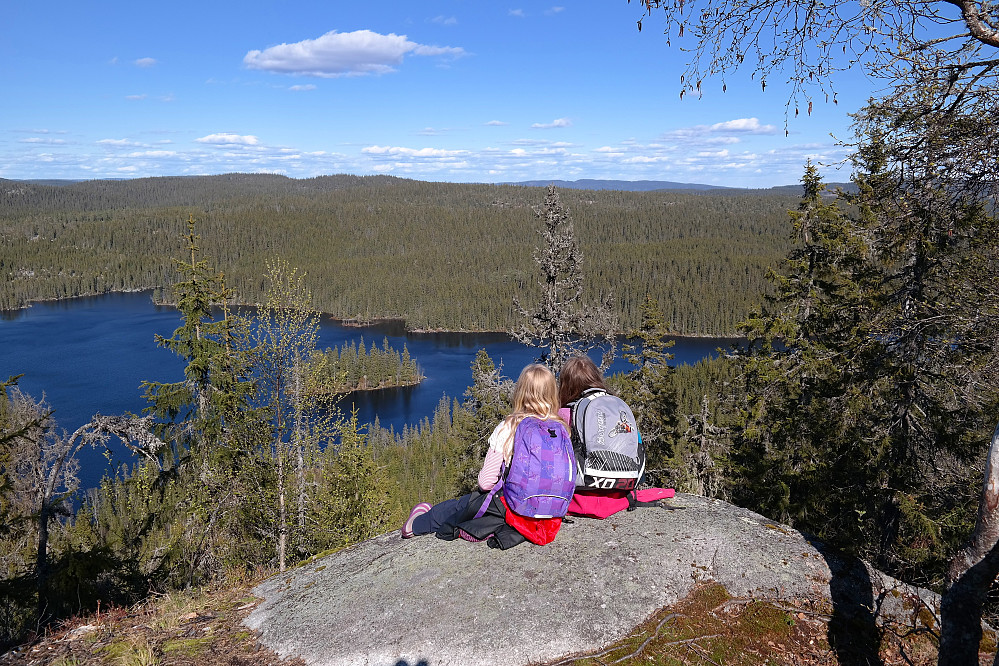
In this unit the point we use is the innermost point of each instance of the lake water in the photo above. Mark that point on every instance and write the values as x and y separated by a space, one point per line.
89 355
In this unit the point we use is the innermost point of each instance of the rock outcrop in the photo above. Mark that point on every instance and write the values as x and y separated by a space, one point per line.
389 602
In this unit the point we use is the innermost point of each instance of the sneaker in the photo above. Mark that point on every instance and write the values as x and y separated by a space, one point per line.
468 537
418 510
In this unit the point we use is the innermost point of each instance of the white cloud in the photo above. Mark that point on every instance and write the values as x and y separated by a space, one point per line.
728 132
145 62
135 98
412 152
444 20
541 142
337 54
40 131
46 141
722 139
713 153
733 153
751 125
496 123
229 140
303 88
119 143
558 122
554 10
519 13
153 153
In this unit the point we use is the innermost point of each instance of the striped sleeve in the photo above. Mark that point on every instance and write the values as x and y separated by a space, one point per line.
490 472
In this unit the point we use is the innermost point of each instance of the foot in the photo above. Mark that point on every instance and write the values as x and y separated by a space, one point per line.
468 537
418 510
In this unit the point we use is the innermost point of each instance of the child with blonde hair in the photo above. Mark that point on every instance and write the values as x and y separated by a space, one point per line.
469 517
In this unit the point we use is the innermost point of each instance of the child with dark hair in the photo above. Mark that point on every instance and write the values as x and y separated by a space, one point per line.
580 377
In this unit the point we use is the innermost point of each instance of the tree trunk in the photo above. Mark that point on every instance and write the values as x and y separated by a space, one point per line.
282 510
41 559
300 449
972 572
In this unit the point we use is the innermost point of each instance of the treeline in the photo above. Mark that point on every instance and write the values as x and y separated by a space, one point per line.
354 367
439 255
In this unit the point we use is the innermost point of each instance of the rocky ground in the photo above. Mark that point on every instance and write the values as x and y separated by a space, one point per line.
697 582
708 627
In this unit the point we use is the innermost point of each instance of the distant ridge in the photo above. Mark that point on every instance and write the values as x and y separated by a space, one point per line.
795 190
623 185
657 185
52 182
340 180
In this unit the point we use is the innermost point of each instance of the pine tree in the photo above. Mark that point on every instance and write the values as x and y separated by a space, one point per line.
487 402
216 387
650 392
561 324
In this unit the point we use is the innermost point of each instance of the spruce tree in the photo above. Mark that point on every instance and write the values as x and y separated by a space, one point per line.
798 416
561 323
216 386
872 369
650 392
486 403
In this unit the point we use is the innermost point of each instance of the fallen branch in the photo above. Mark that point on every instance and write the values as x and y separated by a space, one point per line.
651 636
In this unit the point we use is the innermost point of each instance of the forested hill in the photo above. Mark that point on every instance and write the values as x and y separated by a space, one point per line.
440 255
626 185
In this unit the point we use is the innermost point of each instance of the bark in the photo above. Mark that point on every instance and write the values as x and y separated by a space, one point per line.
972 572
300 446
282 511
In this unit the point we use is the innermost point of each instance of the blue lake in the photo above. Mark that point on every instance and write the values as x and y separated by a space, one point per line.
89 355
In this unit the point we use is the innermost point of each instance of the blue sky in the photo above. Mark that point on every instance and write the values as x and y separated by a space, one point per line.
453 90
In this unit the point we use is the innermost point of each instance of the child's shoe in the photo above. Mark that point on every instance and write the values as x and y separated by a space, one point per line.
468 537
418 510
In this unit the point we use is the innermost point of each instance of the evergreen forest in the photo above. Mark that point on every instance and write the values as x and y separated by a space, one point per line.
441 256
862 409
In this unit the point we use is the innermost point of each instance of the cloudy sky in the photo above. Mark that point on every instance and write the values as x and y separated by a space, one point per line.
450 90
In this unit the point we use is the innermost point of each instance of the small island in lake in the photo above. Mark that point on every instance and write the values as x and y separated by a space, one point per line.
354 367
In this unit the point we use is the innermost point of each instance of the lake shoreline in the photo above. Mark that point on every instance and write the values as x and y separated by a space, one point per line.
90 355
349 322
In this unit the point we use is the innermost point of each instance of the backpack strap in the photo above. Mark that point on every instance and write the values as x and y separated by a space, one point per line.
489 497
633 502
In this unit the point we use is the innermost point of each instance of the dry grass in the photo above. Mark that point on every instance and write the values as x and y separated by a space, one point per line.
178 629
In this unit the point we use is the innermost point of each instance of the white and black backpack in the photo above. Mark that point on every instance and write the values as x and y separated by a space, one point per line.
605 439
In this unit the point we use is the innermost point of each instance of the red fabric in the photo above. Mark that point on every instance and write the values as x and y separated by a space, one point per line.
602 504
535 530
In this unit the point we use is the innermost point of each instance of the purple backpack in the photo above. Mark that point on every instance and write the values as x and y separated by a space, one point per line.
542 473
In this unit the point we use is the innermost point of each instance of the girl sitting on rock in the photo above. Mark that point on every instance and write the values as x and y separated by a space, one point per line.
535 394
579 376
